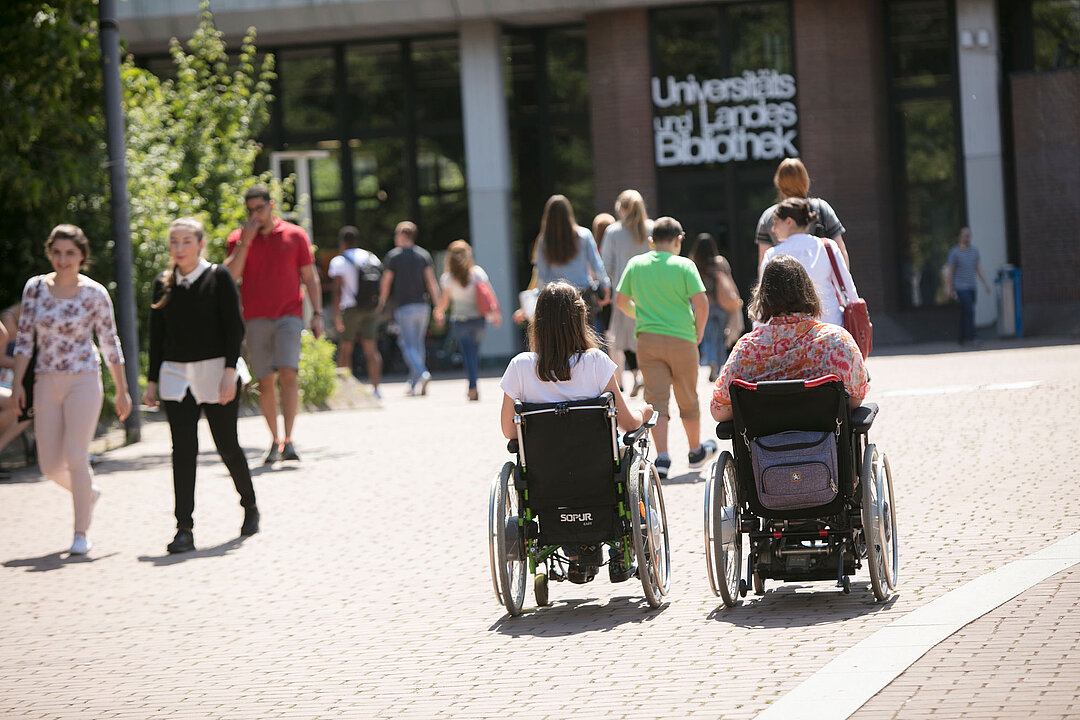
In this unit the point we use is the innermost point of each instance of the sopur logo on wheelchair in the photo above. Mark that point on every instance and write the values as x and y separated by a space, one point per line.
805 486
573 490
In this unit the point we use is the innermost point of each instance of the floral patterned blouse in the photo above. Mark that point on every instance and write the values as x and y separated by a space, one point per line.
65 328
793 347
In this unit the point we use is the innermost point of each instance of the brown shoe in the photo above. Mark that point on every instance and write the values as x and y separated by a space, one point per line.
474 394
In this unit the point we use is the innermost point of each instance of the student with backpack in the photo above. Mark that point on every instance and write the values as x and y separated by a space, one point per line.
357 274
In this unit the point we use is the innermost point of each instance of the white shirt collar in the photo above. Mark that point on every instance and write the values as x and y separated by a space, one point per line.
191 277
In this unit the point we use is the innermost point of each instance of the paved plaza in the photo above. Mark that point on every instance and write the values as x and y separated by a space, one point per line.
367 593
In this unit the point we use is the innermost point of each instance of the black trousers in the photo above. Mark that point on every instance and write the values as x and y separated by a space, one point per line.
184 424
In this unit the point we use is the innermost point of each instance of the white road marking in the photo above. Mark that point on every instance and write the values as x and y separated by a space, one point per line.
840 688
956 389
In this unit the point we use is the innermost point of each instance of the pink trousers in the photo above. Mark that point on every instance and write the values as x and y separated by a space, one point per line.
66 411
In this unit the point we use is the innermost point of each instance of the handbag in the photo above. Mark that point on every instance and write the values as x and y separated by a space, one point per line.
794 470
486 302
856 315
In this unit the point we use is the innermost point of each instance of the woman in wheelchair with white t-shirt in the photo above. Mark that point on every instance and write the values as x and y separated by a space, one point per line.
790 343
564 363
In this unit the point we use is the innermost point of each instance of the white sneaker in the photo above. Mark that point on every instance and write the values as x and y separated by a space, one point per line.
97 495
80 545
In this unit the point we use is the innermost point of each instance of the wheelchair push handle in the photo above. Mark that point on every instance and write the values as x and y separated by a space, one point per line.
631 437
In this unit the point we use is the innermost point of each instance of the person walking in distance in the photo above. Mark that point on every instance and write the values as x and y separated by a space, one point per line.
793 181
961 269
357 276
61 313
195 335
409 276
270 258
665 295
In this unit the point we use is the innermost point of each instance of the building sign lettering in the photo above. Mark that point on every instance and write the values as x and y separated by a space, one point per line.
747 117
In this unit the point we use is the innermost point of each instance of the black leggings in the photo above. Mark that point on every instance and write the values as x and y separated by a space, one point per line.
184 425
631 359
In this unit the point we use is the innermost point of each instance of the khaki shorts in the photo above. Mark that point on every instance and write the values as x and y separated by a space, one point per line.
273 343
668 362
362 322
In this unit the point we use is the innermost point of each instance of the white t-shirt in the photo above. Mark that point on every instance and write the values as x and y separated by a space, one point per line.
463 298
590 372
810 252
340 267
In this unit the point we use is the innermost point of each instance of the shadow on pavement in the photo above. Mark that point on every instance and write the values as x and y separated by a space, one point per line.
215 551
694 476
791 606
53 561
577 615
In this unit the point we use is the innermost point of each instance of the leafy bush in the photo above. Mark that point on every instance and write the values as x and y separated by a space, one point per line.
318 369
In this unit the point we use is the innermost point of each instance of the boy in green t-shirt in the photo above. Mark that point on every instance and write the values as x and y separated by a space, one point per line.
665 295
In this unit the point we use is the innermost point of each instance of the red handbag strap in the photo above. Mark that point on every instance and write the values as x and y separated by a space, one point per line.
836 273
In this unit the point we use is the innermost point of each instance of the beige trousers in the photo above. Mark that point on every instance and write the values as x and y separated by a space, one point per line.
66 411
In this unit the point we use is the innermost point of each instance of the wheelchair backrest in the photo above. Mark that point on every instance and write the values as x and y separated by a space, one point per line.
766 408
568 451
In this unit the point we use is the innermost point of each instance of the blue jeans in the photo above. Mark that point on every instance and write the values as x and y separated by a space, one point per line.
412 321
966 297
468 334
712 348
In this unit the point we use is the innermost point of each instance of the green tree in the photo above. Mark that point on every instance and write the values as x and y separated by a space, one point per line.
51 135
191 147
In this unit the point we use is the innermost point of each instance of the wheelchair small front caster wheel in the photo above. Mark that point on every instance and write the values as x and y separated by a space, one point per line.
540 589
742 588
846 585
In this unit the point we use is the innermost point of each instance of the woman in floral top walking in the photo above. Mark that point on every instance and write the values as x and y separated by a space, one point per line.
61 312
791 344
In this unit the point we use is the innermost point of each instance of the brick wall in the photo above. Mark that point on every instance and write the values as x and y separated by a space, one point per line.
843 128
621 109
1046 141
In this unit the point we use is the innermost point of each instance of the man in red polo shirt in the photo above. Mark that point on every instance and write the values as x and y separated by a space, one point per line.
268 258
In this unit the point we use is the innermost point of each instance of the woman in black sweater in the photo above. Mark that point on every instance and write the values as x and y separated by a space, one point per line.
195 335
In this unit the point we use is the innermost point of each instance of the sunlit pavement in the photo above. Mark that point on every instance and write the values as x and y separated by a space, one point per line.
367 593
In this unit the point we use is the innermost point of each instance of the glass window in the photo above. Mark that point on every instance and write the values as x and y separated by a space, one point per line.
715 160
1056 30
375 78
436 69
550 135
379 182
307 102
920 43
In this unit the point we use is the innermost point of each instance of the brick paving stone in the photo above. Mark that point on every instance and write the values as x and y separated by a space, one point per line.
368 595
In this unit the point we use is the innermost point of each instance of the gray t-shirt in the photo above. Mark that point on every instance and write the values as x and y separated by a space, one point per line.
408 265
827 225
963 262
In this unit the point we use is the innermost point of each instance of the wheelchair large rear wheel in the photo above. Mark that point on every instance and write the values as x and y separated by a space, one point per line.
506 548
879 523
723 541
649 530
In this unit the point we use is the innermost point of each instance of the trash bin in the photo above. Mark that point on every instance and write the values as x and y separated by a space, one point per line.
1010 312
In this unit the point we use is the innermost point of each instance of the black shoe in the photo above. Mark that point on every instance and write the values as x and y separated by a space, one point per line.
251 522
580 574
183 542
272 455
619 572
288 452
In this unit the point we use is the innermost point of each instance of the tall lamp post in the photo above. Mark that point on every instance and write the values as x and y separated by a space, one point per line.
121 218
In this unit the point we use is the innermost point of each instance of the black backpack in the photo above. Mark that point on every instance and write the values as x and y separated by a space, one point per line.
368 279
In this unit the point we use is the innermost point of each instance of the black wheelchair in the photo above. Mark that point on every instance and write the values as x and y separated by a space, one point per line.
573 485
803 521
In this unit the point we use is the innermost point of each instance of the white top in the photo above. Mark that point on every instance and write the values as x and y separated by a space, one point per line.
463 298
203 377
810 252
341 267
590 372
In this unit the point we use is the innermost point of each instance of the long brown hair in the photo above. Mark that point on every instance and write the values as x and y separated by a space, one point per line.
632 205
168 280
559 331
459 262
558 231
791 179
785 289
